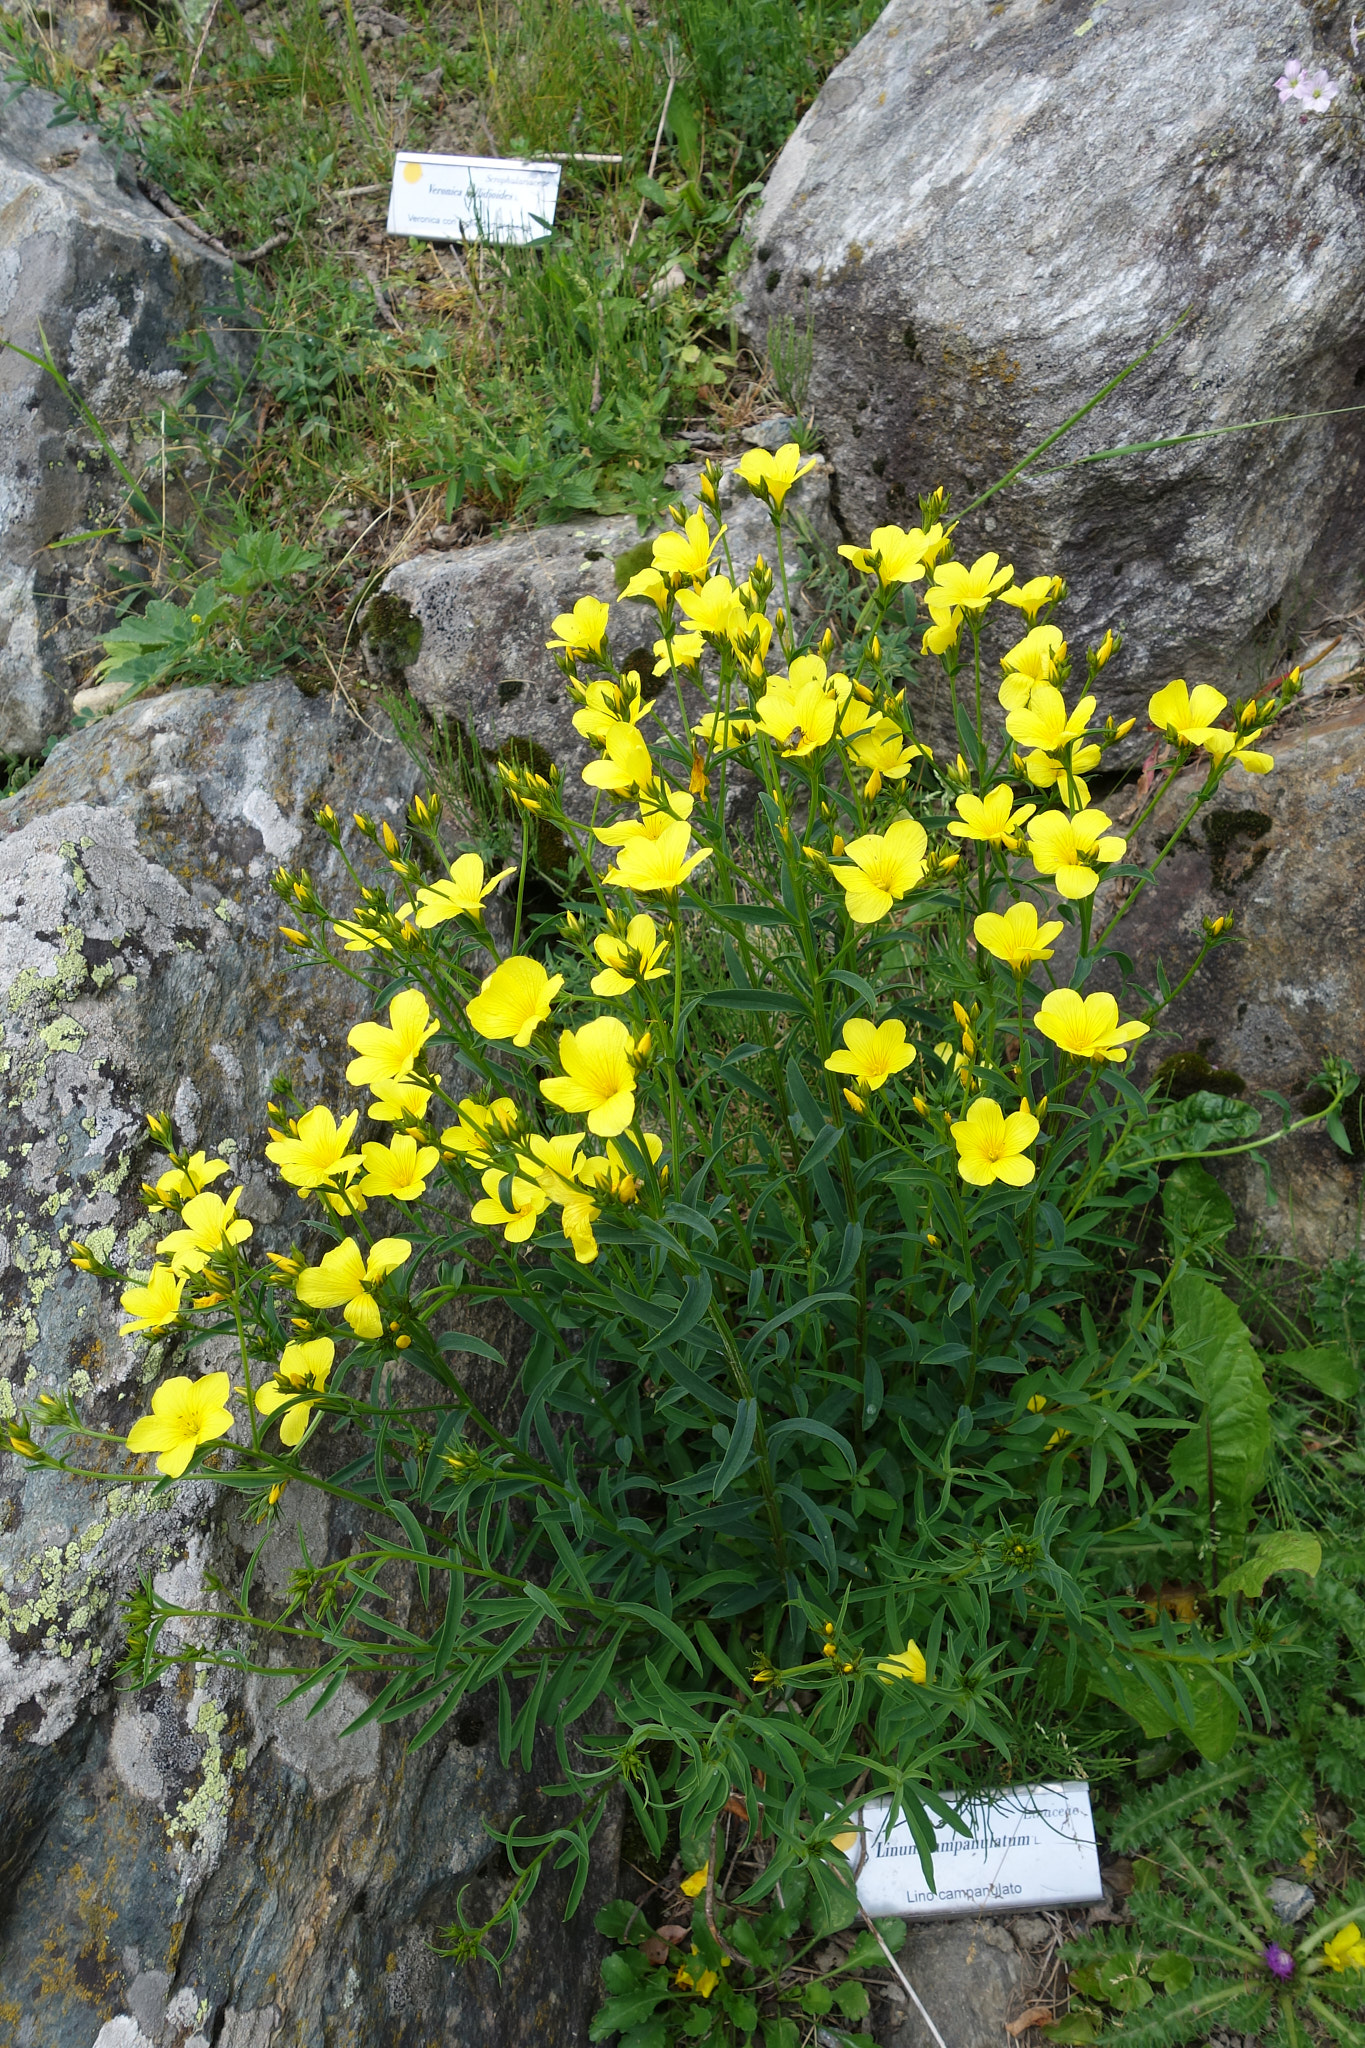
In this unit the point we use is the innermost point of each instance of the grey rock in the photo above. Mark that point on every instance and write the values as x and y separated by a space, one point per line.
112 284
1285 855
465 632
968 1974
991 209
198 1859
1290 1901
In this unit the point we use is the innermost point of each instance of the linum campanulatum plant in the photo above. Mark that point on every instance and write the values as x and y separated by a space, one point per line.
800 1141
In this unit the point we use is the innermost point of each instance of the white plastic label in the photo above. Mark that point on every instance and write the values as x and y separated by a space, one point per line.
472 198
1031 1846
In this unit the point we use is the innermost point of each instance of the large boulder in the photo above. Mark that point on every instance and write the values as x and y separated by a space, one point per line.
89 267
990 210
1285 856
464 633
198 1856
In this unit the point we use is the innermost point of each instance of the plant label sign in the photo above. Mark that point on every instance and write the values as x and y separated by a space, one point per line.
1031 1846
472 198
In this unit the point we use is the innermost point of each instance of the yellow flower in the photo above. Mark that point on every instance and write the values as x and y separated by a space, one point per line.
345 1278
971 589
462 896
302 1367
649 584
1185 715
684 651
395 1102
185 1413
527 1199
1029 598
599 1076
605 705
1032 661
947 626
886 753
885 867
514 999
657 865
751 635
892 555
154 1305
1072 849
627 962
800 712
686 555
907 1663
874 1052
992 818
197 1174
1104 651
692 1887
1238 747
660 807
584 629
1044 771
398 1171
709 608
1345 1950
1087 1027
627 762
990 1145
388 1054
318 1153
724 735
771 476
1044 721
210 1227
480 1125
1016 937
578 1210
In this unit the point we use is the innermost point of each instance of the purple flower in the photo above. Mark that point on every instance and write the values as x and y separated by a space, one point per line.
1289 86
1278 1960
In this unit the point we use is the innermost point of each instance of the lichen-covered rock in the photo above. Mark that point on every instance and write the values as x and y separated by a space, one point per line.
89 265
465 632
1285 855
991 209
197 1855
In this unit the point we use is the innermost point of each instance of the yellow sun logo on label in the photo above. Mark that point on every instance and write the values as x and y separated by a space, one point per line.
412 173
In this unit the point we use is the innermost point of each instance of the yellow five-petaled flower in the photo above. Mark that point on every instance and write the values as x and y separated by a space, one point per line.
872 1052
185 1414
991 1145
346 1278
883 867
1087 1027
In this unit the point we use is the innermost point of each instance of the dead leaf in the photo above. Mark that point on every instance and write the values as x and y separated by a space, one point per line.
655 1950
1036 2016
735 1805
671 1933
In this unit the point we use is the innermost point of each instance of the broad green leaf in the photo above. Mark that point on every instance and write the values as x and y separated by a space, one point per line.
1116 1981
1232 1437
1289 1550
1327 1367
1077 2030
1172 1969
1203 1122
834 1898
1196 1209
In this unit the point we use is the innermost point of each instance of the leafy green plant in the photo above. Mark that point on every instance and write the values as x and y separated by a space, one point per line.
790 1145
1206 1947
730 1977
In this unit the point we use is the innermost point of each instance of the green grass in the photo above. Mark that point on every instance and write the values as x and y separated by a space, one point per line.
396 382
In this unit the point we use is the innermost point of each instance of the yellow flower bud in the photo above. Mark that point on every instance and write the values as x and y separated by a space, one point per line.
826 642
295 938
837 845
402 1343
1125 728
829 1651
855 1102
874 648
